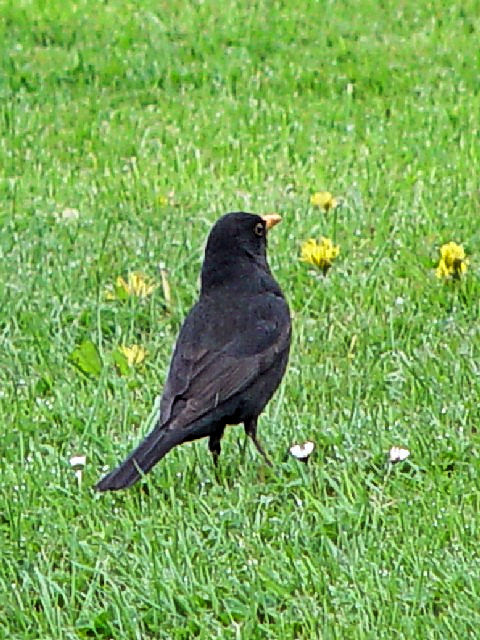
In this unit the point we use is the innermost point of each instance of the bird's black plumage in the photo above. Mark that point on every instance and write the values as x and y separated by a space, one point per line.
231 352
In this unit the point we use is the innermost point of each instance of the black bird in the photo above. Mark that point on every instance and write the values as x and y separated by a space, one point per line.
231 353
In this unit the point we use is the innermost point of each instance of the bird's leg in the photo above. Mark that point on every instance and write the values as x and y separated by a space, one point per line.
251 430
214 444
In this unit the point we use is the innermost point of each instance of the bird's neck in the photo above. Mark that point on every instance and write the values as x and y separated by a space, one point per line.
238 275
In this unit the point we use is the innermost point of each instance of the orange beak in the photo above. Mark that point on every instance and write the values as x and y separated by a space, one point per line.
271 220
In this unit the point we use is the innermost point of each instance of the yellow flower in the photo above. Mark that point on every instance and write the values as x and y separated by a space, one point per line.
137 284
134 354
453 262
324 199
320 254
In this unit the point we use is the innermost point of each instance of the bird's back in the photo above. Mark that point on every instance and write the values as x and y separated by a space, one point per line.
248 331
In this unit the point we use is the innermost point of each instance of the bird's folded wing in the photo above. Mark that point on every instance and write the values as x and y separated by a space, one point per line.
201 379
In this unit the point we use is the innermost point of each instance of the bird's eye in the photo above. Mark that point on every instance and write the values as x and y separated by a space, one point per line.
259 229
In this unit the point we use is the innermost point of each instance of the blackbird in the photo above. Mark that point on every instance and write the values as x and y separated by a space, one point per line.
231 353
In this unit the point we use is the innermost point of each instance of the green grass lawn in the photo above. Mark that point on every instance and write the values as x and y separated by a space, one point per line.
127 128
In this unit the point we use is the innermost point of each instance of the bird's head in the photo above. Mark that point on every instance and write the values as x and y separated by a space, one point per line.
236 241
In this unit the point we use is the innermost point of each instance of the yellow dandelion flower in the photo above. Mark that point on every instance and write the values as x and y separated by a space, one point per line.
135 354
137 284
324 200
453 262
320 254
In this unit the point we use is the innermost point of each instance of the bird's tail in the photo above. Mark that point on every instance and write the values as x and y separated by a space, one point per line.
156 445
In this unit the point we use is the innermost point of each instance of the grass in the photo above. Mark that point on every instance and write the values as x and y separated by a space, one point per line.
151 120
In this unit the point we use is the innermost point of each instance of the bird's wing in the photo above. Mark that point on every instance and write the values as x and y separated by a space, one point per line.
208 367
